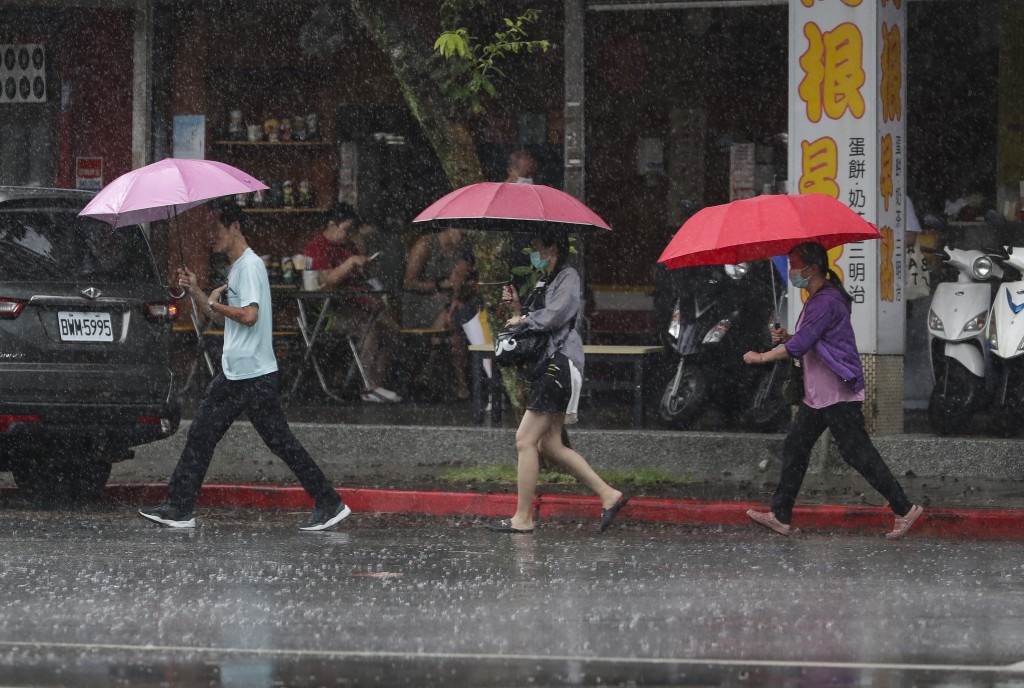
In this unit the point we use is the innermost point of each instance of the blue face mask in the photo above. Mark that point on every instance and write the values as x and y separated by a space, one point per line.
796 279
537 262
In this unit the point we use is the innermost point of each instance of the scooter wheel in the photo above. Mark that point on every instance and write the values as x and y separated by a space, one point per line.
953 400
679 410
767 408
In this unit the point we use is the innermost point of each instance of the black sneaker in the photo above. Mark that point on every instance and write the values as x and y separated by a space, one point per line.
325 517
167 515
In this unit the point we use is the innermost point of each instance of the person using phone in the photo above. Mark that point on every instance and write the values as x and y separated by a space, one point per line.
440 292
335 254
247 383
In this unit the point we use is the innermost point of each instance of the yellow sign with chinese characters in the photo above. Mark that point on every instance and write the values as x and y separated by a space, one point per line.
848 139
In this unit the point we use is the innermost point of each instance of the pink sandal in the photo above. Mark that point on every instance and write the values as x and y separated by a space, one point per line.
768 520
903 523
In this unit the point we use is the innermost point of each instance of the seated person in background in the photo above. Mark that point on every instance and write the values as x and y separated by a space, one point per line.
522 169
440 293
388 270
335 255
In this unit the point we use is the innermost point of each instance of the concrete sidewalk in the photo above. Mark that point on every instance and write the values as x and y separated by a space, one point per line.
967 471
1000 524
971 486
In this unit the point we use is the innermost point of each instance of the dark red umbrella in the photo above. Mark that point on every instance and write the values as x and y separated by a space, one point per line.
762 227
507 207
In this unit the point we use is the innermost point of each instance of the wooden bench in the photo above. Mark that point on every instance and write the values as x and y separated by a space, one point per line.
596 353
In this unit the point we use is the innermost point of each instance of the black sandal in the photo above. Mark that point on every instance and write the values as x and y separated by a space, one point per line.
505 526
608 515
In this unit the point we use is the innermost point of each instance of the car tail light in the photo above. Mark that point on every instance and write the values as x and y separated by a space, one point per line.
7 420
10 308
162 310
164 423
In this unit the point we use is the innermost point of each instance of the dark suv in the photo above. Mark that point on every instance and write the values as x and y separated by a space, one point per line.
85 325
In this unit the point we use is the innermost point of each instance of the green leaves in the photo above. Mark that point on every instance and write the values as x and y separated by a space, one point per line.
469 67
452 43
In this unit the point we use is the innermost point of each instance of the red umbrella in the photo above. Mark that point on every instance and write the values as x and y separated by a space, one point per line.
503 206
762 227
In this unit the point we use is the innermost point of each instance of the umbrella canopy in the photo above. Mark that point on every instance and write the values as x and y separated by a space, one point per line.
762 227
171 186
508 207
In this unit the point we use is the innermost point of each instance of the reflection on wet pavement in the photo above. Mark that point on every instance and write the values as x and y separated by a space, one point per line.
102 599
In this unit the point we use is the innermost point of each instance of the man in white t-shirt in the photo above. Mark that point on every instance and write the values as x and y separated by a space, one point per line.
247 384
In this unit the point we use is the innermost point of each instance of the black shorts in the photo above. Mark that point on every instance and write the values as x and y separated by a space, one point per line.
551 391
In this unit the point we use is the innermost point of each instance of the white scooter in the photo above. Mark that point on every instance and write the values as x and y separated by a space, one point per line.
1005 336
956 328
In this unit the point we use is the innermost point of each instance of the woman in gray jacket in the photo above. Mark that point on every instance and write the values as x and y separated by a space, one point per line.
554 394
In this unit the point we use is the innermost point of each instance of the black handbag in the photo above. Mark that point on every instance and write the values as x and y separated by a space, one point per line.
518 346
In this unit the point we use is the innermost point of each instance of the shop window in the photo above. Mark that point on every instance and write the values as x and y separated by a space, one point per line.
26 145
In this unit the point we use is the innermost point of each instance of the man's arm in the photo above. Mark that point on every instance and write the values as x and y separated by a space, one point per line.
243 315
187 279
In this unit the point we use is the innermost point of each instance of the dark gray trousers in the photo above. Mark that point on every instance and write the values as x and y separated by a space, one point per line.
223 402
846 421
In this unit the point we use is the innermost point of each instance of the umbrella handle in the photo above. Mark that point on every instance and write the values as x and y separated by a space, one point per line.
181 243
181 255
501 304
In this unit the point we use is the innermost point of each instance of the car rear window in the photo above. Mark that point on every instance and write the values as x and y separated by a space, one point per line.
55 245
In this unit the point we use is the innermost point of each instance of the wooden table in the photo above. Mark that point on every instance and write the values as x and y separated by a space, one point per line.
596 353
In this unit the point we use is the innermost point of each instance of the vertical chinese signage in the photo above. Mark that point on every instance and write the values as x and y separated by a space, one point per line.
847 140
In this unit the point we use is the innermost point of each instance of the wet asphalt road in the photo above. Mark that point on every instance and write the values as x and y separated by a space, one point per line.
103 598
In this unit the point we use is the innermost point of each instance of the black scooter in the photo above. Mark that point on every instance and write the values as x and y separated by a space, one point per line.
722 312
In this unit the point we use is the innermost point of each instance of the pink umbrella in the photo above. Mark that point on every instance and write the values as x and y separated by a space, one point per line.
503 206
762 227
163 189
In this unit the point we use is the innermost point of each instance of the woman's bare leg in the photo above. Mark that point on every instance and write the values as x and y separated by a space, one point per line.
378 348
533 426
369 355
429 369
574 463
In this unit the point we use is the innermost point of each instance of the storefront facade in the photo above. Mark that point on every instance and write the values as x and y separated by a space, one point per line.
638 108
80 120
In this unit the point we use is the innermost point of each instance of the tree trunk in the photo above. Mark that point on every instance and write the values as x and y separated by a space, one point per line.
408 46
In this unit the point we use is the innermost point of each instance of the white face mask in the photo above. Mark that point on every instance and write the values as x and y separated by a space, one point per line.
524 180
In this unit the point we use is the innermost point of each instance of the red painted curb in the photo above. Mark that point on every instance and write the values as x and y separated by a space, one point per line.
1003 524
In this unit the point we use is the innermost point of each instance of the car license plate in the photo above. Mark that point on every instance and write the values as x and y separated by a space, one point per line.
85 327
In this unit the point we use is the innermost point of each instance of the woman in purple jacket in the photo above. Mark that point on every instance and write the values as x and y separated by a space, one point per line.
833 393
